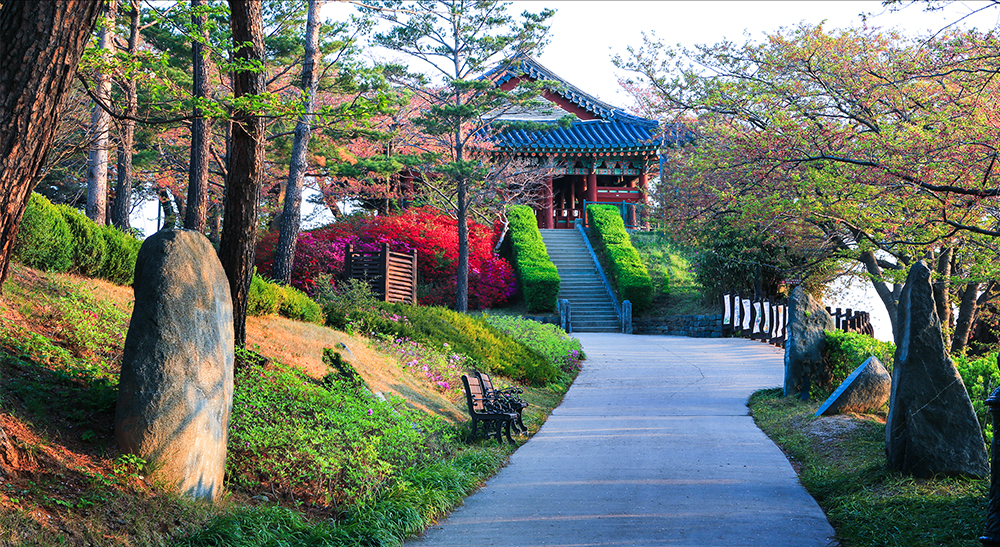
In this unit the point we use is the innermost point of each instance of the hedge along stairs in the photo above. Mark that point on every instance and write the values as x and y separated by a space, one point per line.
590 305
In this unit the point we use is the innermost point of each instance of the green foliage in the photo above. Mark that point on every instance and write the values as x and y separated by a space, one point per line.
627 267
44 241
981 377
536 273
416 498
122 250
550 341
269 298
330 442
868 505
350 306
89 247
671 272
264 297
486 347
297 305
844 352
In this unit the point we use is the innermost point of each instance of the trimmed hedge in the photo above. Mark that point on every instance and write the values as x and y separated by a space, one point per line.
628 270
44 241
89 248
536 273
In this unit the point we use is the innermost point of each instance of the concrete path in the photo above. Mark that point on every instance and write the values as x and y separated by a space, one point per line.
651 446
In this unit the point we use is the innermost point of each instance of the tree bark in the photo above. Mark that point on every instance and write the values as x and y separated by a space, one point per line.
966 317
291 216
941 287
100 126
246 162
201 137
889 297
42 45
123 186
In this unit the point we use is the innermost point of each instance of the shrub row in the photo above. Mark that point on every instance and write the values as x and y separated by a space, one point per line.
269 298
628 270
845 351
536 273
59 238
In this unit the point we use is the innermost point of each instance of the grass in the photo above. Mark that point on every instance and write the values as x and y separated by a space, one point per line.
315 458
841 462
675 291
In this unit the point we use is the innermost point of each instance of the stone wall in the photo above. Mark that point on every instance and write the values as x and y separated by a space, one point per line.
694 326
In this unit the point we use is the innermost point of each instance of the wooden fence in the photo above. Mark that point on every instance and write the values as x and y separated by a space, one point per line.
392 276
767 320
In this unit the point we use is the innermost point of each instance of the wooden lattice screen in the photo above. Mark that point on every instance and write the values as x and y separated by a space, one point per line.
392 276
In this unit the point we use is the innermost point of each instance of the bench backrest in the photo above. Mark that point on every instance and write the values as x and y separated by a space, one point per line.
473 394
484 379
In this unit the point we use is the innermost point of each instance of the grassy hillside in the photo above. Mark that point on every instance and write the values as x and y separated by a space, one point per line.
61 340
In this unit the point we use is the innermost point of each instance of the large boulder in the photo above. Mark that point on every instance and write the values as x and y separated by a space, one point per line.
176 387
932 428
808 323
865 390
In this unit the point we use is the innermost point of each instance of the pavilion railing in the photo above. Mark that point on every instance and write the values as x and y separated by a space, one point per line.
766 319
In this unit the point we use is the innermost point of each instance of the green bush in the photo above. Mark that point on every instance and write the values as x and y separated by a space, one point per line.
89 247
487 347
297 305
845 351
121 252
981 377
264 297
44 241
550 341
536 273
627 267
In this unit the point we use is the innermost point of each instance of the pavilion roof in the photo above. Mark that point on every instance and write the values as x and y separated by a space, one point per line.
613 130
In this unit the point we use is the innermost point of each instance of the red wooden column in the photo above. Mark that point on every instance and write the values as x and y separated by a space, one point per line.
548 215
592 187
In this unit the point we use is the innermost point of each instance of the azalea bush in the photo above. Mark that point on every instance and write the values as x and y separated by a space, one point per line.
432 235
550 341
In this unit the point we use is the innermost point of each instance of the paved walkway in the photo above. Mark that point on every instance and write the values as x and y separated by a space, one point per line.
651 446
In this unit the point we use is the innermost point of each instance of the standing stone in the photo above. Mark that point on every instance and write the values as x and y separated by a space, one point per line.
176 387
807 326
932 428
865 390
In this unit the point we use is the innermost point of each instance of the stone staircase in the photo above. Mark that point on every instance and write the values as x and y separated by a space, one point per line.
590 306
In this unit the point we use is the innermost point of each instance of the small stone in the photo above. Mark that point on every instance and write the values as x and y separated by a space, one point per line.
865 390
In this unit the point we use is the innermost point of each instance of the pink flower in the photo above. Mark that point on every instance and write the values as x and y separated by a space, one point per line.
370 412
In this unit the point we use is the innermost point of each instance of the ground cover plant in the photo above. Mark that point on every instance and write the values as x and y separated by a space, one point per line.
841 462
550 341
671 272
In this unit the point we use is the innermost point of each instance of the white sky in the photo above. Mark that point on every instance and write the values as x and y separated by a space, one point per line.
585 35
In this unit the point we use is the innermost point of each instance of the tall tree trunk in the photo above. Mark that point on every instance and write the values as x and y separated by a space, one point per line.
123 187
941 299
201 137
246 162
169 211
966 317
291 216
889 297
42 45
100 126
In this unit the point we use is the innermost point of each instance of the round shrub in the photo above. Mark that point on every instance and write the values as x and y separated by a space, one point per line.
119 259
44 241
89 246
264 297
297 305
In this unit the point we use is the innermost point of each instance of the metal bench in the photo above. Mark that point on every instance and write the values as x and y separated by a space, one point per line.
485 410
507 399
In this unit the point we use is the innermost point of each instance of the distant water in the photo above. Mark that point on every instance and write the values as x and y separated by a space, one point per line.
858 294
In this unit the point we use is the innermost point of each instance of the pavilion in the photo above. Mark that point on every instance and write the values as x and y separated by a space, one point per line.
603 157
